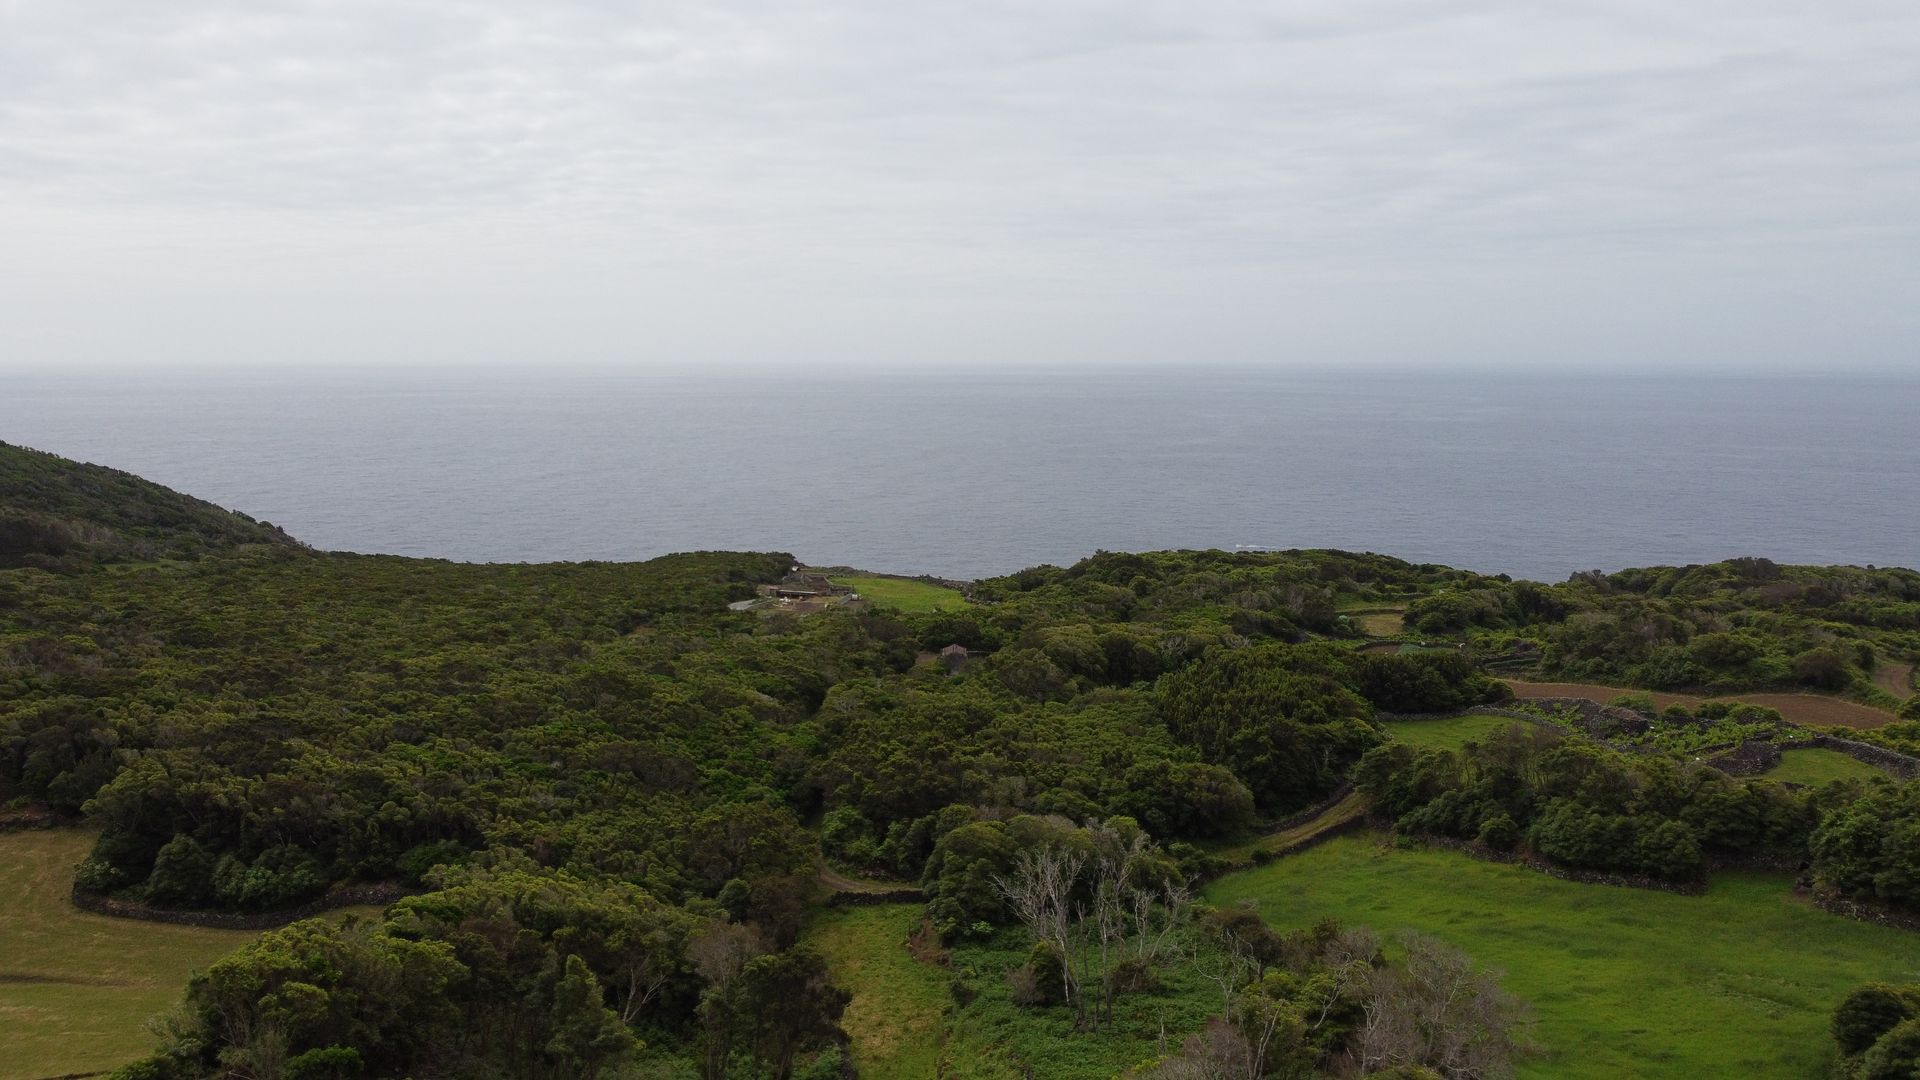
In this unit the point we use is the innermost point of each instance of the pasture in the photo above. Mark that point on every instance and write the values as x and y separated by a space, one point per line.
1814 766
1448 734
77 989
1623 982
905 594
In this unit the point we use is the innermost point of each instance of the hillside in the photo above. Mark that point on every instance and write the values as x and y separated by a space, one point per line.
62 514
618 795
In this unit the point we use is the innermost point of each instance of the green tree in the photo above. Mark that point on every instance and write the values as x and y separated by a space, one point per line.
586 1037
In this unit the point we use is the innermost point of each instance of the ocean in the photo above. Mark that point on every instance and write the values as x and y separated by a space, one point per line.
967 474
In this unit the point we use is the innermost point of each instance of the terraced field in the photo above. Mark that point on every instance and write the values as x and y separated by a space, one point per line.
1450 733
1814 766
1808 710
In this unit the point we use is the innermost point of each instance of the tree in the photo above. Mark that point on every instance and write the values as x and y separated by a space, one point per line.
586 1036
793 1004
1040 892
1282 718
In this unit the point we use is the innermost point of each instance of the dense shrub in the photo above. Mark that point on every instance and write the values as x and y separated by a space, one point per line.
1582 805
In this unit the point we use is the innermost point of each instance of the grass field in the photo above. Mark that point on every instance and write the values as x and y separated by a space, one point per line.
77 989
894 1019
1814 766
904 594
1449 734
1624 982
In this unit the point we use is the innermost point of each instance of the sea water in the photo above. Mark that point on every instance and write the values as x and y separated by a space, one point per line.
967 474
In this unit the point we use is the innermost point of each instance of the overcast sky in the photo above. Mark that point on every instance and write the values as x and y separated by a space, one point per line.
1533 184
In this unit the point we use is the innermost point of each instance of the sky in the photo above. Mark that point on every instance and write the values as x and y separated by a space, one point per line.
1615 184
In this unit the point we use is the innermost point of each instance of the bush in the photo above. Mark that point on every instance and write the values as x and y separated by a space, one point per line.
1871 1011
280 877
326 1063
182 873
1824 667
416 861
1895 1055
1039 981
97 875
1499 832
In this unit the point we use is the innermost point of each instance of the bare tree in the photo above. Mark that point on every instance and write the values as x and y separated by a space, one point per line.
1040 891
1440 1012
1218 1052
1348 961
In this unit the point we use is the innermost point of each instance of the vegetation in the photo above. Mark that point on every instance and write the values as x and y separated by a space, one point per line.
61 514
1451 733
1877 1030
616 796
1743 624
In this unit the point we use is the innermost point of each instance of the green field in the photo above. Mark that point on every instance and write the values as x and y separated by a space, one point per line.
1623 982
1449 734
905 594
1814 766
76 989
894 1019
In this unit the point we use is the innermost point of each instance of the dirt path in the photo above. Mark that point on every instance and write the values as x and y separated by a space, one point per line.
1808 710
1340 813
1895 678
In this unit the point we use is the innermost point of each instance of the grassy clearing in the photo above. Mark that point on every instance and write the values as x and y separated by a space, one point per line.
77 989
904 594
894 1019
991 1038
1815 766
1624 982
1449 734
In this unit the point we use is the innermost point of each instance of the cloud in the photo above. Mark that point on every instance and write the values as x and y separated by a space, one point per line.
1399 182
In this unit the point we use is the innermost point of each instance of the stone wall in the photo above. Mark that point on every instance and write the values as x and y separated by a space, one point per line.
1754 757
902 895
1300 818
1854 909
379 893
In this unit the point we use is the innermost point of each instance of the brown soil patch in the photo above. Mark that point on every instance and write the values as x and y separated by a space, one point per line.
1807 710
1381 623
925 945
1895 679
